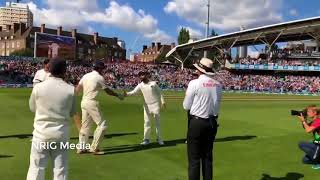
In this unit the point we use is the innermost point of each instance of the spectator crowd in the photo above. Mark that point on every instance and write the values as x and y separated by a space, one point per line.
117 75
283 57
269 83
125 75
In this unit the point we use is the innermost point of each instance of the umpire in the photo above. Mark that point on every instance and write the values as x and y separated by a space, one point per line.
202 98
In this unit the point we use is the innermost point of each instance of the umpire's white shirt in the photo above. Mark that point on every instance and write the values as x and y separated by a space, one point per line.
203 97
53 102
40 76
151 92
92 83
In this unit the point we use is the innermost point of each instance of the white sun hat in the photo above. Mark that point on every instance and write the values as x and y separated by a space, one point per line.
205 66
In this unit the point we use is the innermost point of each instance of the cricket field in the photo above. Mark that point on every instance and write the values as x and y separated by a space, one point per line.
257 140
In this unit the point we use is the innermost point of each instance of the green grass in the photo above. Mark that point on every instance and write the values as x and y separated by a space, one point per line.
254 138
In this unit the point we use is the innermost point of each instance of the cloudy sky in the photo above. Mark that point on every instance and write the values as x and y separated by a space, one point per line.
140 22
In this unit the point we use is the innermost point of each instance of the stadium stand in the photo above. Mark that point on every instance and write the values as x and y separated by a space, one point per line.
124 75
117 74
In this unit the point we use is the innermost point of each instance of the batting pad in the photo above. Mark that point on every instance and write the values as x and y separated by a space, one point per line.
98 135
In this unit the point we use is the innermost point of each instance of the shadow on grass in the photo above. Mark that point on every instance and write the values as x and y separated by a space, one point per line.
5 156
138 147
19 136
107 136
289 176
235 138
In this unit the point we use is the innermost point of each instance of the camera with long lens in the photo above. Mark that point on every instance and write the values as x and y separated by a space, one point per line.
299 113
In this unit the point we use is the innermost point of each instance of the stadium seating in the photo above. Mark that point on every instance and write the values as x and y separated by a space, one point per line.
125 75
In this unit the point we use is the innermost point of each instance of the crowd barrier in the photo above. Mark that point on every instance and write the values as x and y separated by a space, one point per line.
180 90
272 93
16 85
20 58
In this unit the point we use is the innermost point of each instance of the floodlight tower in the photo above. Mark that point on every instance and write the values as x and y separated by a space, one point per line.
208 25
208 20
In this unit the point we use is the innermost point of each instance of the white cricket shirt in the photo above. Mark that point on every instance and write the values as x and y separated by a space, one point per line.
151 92
203 97
92 83
40 76
53 102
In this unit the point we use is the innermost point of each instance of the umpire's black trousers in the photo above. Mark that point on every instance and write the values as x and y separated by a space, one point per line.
200 138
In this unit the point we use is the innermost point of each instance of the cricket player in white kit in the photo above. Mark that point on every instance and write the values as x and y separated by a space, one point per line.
43 74
53 102
153 101
91 83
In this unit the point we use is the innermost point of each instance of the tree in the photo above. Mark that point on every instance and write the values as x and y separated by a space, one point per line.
27 52
273 47
213 33
184 36
161 58
213 53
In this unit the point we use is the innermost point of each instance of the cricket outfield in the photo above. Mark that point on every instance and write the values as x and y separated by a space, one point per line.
257 140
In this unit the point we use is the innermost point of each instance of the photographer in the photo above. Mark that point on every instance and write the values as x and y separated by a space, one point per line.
312 149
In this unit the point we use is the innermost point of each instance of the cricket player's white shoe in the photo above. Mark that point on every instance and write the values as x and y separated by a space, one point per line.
160 142
145 142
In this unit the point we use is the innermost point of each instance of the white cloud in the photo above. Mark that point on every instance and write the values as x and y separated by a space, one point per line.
227 14
282 45
124 17
90 30
160 36
194 33
78 13
253 53
87 5
293 12
54 17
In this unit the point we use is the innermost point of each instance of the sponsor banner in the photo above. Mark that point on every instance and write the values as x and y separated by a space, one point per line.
315 54
16 85
275 67
275 93
19 58
304 55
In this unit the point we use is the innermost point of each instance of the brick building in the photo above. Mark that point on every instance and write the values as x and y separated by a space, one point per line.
18 36
15 13
155 53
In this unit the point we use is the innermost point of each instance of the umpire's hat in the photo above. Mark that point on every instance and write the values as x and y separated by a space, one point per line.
205 66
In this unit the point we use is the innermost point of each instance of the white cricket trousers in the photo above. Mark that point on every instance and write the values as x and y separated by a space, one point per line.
91 113
39 159
148 112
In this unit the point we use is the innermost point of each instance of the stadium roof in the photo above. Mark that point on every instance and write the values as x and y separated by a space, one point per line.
298 30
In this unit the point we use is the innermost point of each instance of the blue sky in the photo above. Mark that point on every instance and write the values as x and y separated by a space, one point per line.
140 22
